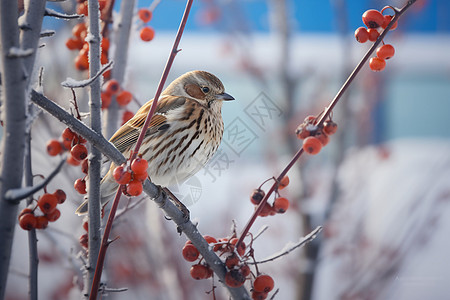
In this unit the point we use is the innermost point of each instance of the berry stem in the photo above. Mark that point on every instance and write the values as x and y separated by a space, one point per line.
112 213
322 117
104 245
163 79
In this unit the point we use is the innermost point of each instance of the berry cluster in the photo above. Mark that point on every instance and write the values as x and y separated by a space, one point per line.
376 22
123 97
314 136
147 33
236 262
79 33
76 144
28 217
280 204
132 177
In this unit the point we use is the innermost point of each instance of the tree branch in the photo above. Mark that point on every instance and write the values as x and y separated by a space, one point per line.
18 194
13 88
95 159
120 58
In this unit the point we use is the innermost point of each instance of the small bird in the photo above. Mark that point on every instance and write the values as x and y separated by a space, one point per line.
184 132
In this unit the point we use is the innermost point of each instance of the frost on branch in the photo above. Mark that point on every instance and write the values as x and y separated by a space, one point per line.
15 52
53 13
73 83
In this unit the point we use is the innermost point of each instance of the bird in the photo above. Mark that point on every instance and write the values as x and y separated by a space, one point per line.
184 133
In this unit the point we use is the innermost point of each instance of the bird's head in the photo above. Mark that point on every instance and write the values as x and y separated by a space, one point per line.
202 86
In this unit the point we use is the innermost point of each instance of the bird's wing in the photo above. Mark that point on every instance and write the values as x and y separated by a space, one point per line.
127 135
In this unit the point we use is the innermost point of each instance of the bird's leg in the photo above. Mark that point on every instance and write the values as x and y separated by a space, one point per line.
178 203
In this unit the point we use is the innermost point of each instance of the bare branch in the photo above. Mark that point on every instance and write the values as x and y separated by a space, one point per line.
311 236
73 84
53 13
47 33
22 193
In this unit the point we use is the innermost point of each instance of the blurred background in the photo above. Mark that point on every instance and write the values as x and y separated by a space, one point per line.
380 189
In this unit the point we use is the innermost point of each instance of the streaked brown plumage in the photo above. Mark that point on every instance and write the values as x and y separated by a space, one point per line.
183 135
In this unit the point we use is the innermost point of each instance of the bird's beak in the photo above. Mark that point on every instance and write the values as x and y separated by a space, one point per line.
225 97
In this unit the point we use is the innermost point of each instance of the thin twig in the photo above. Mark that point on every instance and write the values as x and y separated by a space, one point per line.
73 84
24 192
53 13
308 238
322 119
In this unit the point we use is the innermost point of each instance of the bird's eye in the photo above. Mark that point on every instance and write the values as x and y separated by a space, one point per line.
205 89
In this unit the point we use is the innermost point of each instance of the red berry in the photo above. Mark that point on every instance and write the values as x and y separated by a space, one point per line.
134 188
373 18
322 137
60 196
267 208
190 252
82 8
68 135
74 44
234 278
47 203
41 222
209 239
78 30
373 34
124 98
86 226
112 87
377 64
85 166
310 120
80 186
72 161
127 115
24 211
121 176
361 35
79 152
387 20
81 62
245 270
284 182
145 15
140 176
386 51
199 272
280 205
54 215
241 250
259 295
84 241
139 165
232 260
302 132
147 34
312 145
329 127
106 99
54 147
263 283
257 196
105 44
27 221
